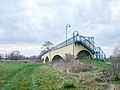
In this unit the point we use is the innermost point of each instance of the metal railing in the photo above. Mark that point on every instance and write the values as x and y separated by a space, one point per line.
77 38
87 43
69 41
100 55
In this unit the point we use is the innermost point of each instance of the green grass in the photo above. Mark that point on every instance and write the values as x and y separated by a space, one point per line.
96 63
47 78
99 66
24 79
7 71
16 76
39 77
30 77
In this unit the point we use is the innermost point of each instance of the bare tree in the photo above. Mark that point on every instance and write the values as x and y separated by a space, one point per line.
14 55
47 44
113 73
45 48
41 54
0 56
116 51
116 57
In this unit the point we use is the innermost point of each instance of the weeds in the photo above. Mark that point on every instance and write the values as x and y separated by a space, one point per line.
67 86
69 66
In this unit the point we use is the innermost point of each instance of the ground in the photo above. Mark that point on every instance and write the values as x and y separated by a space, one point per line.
37 76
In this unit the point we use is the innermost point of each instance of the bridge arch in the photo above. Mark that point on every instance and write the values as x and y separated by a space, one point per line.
57 58
42 59
47 59
84 54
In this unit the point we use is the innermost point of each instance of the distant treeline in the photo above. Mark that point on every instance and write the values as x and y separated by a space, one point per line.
15 55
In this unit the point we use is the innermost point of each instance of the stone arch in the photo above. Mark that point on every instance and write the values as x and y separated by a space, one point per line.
57 58
84 54
47 59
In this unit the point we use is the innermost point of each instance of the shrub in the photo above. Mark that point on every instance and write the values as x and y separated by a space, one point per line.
79 67
111 74
69 67
67 85
68 57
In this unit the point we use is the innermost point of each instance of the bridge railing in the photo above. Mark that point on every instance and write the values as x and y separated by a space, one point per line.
91 39
85 42
69 41
100 55
77 38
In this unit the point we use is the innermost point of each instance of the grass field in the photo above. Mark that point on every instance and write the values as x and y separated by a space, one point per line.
98 64
29 77
16 76
26 76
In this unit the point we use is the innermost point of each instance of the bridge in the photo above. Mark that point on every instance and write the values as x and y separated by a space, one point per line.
78 46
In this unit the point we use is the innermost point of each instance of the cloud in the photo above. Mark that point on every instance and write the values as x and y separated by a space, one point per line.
35 21
25 49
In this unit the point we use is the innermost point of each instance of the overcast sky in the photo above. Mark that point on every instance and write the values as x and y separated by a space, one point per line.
26 24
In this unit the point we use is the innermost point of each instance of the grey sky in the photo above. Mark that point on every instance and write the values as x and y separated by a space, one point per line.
28 23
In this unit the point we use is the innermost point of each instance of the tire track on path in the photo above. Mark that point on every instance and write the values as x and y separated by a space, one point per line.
34 86
13 78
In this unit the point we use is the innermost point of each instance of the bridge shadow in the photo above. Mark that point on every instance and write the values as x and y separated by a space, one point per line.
46 59
84 55
57 58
